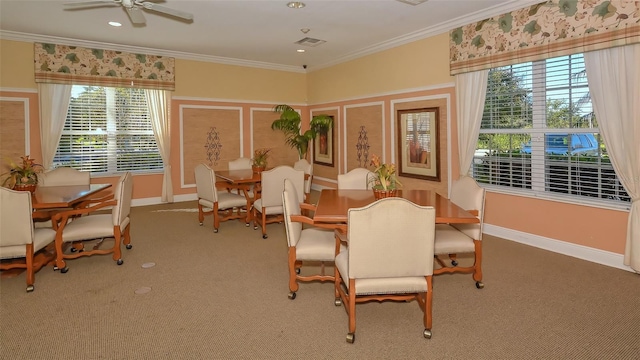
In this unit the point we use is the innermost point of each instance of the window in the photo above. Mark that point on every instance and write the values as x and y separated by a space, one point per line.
108 131
539 133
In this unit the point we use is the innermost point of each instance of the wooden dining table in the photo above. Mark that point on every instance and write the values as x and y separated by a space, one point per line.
54 197
333 205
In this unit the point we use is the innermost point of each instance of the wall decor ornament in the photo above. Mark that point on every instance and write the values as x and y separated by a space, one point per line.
362 147
213 146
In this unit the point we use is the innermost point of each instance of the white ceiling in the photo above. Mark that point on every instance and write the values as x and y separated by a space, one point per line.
251 33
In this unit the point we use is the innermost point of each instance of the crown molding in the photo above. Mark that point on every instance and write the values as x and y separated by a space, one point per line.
401 40
26 37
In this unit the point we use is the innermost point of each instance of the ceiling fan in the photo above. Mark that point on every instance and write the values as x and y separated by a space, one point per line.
133 8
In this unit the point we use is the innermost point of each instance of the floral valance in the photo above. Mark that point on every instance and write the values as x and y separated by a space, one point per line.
63 64
548 29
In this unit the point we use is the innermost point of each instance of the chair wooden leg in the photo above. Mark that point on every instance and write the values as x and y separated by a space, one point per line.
60 263
30 271
477 273
200 214
117 238
293 283
352 306
264 223
428 305
216 217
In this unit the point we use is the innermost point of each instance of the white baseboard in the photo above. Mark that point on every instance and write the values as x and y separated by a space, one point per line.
578 251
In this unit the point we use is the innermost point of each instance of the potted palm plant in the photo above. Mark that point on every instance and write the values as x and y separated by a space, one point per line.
289 124
23 177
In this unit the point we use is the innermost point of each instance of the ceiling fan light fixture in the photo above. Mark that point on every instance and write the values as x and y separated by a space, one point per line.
296 4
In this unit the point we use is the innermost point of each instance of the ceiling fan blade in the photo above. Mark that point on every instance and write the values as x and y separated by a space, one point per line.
166 10
96 3
136 15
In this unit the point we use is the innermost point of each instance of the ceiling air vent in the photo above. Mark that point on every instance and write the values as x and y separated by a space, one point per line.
413 2
310 42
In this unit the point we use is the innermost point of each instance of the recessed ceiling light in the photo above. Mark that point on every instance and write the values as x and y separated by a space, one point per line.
301 50
296 4
114 23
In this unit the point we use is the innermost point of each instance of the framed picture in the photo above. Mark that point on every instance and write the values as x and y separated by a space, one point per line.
418 150
323 147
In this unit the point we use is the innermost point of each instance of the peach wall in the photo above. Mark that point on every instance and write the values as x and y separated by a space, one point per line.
219 81
414 65
16 65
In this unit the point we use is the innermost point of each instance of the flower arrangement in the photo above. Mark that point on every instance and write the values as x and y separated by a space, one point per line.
260 157
25 174
384 175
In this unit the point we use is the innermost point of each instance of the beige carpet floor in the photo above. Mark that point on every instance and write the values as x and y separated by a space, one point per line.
224 296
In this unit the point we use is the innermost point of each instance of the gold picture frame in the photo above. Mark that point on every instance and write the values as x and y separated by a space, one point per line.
323 147
418 150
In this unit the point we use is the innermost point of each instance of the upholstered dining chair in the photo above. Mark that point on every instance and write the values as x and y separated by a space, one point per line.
71 228
305 166
64 176
18 238
224 205
267 208
389 257
453 239
311 244
241 163
356 179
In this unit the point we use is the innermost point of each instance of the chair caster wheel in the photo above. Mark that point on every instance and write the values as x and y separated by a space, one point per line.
255 228
247 224
479 284
201 224
64 270
264 236
298 271
351 337
30 288
337 302
427 334
119 262
129 246
215 230
292 295
73 249
454 263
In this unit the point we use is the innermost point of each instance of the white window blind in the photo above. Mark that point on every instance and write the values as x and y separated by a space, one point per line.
108 131
539 133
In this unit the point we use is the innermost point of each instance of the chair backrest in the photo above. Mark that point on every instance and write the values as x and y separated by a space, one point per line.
467 194
206 183
391 237
123 194
356 179
291 206
305 166
64 176
272 184
16 223
242 163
